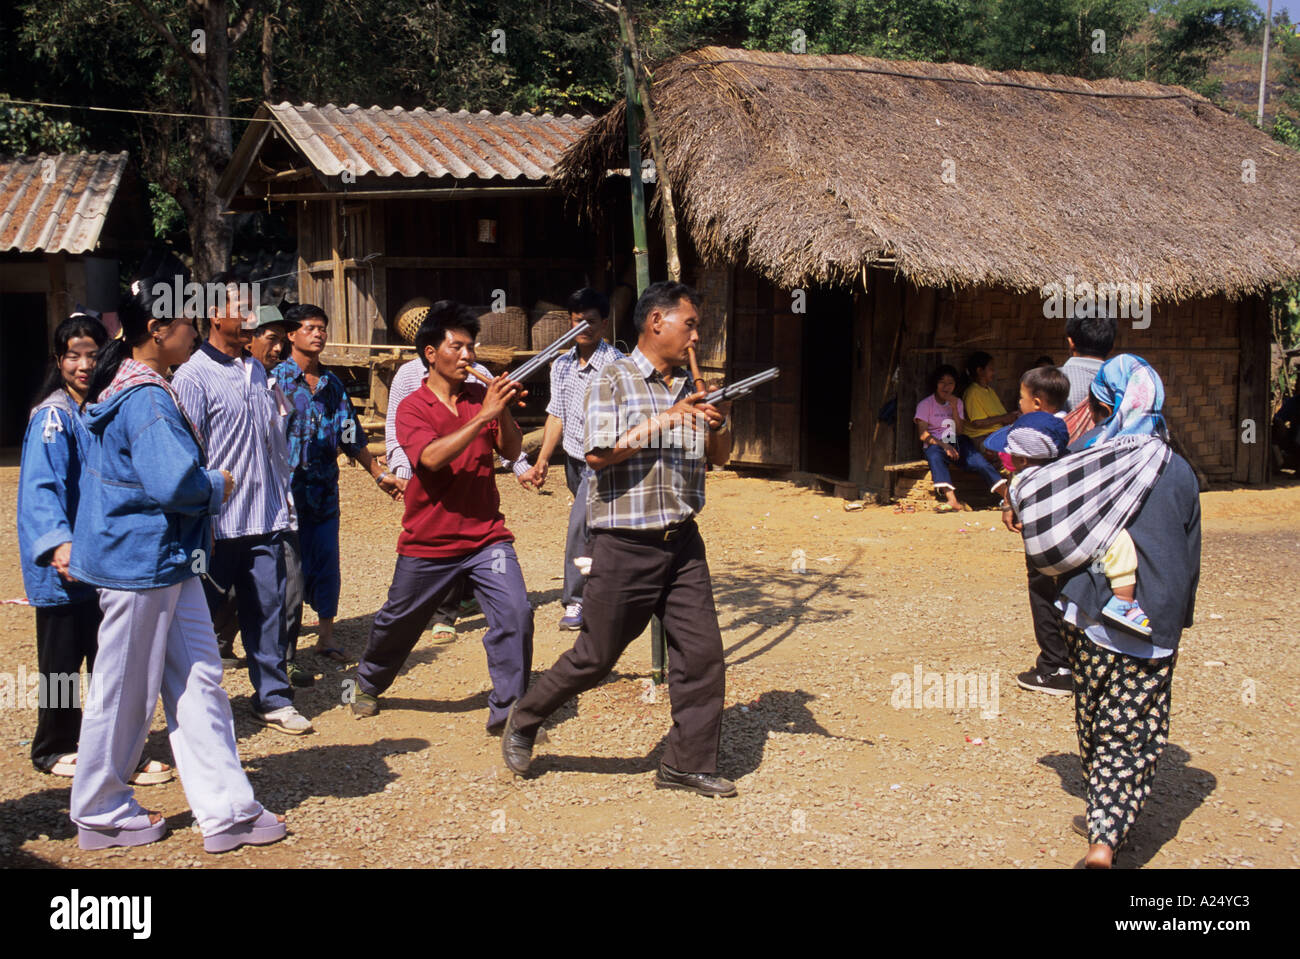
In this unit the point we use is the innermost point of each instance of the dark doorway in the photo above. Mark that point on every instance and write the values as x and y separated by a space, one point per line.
24 349
827 382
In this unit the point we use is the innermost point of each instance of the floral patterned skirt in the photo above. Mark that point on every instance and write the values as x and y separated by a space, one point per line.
1121 713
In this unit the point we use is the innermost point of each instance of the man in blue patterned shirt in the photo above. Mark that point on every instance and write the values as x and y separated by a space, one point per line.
321 422
566 415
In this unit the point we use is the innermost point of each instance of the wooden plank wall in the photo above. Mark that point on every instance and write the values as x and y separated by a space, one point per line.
765 333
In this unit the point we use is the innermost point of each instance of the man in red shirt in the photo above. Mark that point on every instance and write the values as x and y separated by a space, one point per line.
452 527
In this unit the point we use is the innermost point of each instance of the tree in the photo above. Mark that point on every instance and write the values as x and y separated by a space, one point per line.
160 50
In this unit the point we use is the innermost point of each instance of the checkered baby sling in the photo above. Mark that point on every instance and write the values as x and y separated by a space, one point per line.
1072 509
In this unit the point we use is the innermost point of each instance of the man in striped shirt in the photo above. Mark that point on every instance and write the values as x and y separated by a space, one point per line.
648 435
224 390
571 378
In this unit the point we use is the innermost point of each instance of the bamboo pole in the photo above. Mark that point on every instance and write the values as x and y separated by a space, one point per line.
656 147
640 243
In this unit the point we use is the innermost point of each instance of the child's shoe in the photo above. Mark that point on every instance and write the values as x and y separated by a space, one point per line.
1128 615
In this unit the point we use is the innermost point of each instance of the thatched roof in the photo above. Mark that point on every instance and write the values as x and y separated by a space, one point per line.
808 168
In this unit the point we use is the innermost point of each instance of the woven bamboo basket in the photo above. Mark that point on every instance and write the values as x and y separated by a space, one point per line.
509 328
548 328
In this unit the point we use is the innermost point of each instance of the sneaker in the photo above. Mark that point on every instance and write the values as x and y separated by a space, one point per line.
286 719
1127 615
302 678
365 705
572 618
1059 683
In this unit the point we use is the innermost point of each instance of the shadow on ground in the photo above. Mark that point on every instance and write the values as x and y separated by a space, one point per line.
1178 790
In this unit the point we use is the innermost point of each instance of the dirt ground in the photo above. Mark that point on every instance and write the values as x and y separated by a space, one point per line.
832 770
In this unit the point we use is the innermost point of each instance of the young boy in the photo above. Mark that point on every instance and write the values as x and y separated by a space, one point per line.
1039 437
1044 389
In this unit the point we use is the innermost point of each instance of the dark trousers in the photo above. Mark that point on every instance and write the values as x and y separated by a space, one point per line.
421 586
225 618
633 578
576 540
1052 654
254 567
319 558
65 637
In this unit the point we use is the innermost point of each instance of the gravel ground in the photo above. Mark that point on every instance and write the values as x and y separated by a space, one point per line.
824 614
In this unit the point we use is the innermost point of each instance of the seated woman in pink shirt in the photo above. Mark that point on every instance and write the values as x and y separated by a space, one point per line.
939 421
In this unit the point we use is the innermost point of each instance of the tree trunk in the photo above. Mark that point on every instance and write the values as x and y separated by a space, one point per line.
210 140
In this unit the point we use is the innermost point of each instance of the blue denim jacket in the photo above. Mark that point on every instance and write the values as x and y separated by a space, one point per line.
147 502
53 450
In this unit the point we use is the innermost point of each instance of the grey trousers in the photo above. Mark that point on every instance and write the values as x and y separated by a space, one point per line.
152 641
577 540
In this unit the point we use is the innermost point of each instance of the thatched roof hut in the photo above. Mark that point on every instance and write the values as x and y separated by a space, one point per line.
860 221
810 168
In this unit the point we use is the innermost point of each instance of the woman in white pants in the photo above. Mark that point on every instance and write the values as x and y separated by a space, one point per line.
143 536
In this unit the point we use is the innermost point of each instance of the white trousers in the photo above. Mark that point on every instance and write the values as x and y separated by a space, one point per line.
152 641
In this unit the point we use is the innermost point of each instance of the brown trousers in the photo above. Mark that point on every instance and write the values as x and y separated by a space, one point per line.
632 578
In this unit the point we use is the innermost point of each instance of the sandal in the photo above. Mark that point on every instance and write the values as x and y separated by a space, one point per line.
332 653
265 829
151 772
945 508
65 765
442 633
139 830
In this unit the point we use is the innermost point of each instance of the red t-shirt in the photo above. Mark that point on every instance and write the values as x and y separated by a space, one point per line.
455 510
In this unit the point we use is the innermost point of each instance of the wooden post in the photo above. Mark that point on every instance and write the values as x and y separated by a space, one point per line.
339 308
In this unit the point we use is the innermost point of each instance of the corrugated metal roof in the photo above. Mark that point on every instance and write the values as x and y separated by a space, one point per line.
434 143
57 203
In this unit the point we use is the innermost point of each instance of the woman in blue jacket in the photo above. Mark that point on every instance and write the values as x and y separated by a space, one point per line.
67 612
143 535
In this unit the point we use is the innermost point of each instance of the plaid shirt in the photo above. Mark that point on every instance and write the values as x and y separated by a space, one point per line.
570 384
660 485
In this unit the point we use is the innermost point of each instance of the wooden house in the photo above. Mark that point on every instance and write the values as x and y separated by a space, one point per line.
860 221
389 205
66 222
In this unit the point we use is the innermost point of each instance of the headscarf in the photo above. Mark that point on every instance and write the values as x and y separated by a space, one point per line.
1132 389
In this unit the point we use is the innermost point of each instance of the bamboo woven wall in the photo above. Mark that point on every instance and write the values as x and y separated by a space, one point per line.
1194 346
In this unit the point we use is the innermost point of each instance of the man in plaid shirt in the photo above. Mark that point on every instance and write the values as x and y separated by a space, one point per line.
572 376
647 437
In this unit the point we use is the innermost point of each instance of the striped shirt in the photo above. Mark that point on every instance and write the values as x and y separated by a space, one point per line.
570 383
406 381
1080 371
660 485
239 419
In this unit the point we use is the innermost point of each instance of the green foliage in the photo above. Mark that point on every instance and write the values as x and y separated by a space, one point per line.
26 129
560 55
1286 131
1190 34
168 218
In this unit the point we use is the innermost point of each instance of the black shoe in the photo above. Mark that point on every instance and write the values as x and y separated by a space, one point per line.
299 677
1054 684
516 748
702 783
